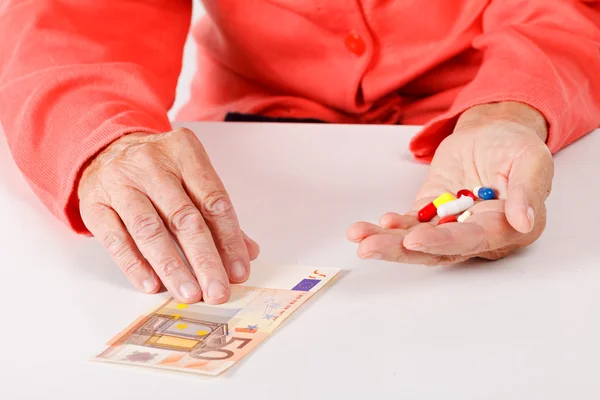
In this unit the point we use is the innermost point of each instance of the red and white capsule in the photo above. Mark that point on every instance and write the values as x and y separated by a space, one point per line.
427 213
455 207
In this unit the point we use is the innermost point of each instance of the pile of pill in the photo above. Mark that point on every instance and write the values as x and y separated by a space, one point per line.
452 208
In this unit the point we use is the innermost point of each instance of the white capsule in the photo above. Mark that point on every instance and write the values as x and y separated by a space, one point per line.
476 191
455 206
463 217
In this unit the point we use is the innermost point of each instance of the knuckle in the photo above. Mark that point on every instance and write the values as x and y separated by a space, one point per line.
170 267
132 266
115 242
92 210
143 154
87 184
92 189
108 180
182 132
186 219
230 244
217 203
147 227
184 136
205 262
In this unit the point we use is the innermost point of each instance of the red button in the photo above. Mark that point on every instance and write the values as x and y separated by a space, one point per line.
355 43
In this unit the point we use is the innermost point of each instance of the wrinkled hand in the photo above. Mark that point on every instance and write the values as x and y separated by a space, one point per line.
499 145
144 193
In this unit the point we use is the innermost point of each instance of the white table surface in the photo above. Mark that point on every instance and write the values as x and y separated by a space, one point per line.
526 327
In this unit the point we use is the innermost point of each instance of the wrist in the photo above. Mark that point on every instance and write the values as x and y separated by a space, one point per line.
508 111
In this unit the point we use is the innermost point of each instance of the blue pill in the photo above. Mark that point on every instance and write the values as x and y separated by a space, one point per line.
485 193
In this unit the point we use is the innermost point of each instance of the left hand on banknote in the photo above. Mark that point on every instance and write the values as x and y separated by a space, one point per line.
500 145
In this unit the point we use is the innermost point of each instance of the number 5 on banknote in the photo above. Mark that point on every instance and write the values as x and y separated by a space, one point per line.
201 353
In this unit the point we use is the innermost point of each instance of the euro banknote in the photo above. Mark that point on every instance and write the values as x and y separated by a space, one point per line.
208 339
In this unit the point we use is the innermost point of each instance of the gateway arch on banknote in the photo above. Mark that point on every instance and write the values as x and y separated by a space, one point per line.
179 334
179 327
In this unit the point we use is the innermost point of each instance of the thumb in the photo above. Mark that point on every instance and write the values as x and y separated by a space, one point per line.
529 184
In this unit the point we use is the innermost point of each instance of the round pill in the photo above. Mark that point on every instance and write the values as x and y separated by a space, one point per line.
486 193
465 192
446 219
427 213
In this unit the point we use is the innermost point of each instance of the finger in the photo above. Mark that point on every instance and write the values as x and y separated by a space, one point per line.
104 223
390 247
396 221
252 247
361 230
529 184
482 232
155 243
190 230
208 194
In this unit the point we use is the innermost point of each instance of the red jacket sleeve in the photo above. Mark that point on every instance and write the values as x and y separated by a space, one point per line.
76 75
542 53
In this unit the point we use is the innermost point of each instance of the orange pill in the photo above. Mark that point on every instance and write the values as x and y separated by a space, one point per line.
448 218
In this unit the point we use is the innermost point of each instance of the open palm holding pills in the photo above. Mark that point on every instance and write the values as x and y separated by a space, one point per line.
482 197
450 208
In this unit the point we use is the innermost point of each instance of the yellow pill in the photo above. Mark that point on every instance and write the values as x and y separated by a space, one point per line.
443 199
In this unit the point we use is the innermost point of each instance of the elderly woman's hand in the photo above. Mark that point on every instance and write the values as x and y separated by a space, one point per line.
501 146
143 193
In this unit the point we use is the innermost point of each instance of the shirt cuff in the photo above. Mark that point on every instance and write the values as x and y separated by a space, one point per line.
545 95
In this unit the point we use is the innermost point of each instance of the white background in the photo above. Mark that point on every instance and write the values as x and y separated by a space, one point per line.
189 65
526 327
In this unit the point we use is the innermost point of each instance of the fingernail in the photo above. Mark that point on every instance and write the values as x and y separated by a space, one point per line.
238 271
189 289
373 255
531 216
216 290
148 285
